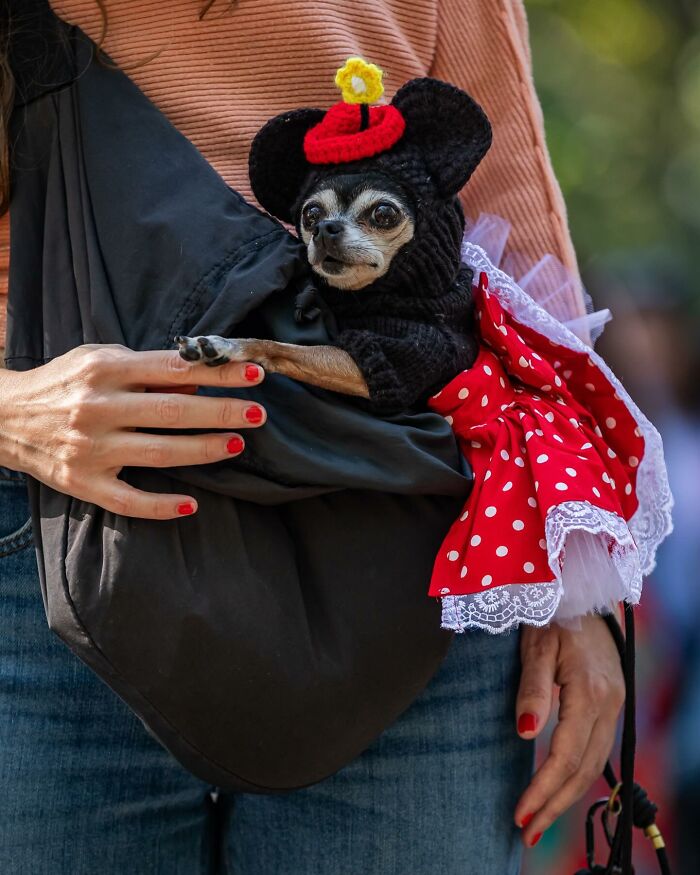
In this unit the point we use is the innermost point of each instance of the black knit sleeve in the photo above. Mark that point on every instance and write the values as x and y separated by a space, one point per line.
401 368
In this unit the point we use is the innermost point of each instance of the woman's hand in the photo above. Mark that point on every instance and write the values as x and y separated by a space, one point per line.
71 423
586 666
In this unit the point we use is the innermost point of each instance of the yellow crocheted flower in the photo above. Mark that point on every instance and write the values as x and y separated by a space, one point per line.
359 81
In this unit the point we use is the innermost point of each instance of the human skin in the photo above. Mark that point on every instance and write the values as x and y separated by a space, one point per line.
70 423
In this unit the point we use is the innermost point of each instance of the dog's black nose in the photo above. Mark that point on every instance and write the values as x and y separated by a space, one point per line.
328 229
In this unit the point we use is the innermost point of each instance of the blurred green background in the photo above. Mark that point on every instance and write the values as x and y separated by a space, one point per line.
619 82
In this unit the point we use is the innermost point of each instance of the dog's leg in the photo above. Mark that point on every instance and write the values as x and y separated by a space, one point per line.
325 366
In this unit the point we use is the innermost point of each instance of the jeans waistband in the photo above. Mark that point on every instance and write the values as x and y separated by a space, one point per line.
9 474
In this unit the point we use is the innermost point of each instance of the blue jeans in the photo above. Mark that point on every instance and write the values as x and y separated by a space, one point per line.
84 789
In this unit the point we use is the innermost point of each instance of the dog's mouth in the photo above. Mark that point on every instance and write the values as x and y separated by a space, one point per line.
332 264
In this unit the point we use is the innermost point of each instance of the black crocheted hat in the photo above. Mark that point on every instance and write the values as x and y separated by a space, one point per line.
444 136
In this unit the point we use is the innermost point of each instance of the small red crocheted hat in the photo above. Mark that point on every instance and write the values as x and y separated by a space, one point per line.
353 129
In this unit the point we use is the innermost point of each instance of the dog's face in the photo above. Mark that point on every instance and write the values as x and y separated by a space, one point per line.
353 225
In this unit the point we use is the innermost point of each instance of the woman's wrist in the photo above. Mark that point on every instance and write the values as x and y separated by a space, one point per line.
10 418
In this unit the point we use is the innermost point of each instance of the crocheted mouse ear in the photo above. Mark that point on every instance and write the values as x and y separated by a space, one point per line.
277 164
448 126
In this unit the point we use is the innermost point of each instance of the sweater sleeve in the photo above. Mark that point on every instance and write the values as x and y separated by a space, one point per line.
482 46
403 362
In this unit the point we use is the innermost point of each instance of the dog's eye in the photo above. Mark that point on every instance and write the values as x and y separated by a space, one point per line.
311 216
385 215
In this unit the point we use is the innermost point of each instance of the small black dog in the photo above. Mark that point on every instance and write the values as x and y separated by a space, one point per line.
383 236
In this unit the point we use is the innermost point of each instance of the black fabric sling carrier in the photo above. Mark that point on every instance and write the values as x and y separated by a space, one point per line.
268 639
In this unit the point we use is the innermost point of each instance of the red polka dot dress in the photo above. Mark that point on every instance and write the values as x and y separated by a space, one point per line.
556 448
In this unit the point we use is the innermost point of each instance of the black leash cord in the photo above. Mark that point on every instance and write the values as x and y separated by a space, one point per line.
634 808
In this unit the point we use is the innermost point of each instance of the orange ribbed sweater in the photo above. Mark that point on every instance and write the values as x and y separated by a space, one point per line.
218 80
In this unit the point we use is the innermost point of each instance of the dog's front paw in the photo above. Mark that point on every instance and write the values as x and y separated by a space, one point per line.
210 350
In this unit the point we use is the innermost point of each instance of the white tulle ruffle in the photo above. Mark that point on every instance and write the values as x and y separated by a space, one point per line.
598 559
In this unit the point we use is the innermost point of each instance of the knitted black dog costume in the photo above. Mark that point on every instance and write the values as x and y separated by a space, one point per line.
413 329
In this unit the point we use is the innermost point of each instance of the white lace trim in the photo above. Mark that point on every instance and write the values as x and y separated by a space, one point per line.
597 558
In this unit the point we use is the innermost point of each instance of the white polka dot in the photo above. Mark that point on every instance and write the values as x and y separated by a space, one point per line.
453 555
536 398
519 462
590 387
437 394
487 370
543 544
539 432
462 394
586 446
562 487
529 435
532 502
590 362
536 356
628 489
523 362
537 485
449 420
463 572
475 445
504 407
484 400
612 483
574 421
596 492
518 525
571 472
505 455
606 479
528 568
503 329
508 486
567 375
502 382
490 511
610 422
444 591
582 458
486 580
475 541
520 338
558 439
464 516
487 475
637 432
598 431
557 379
557 364
549 416
543 457
546 388
634 461
611 453
501 551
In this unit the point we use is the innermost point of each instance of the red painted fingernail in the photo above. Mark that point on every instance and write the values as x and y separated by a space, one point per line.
235 445
185 509
535 839
524 822
252 373
254 414
527 722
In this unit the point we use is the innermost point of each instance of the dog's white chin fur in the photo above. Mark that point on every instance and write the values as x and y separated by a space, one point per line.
352 277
